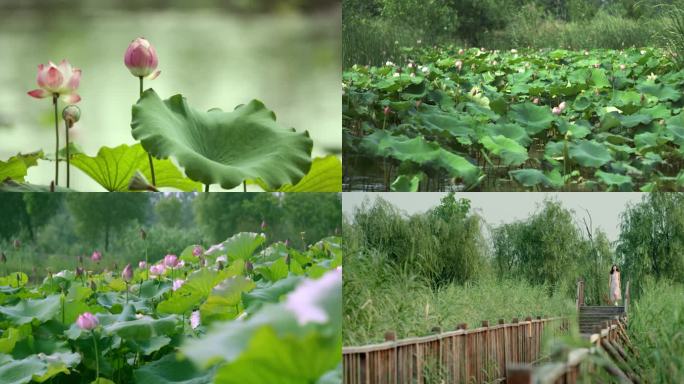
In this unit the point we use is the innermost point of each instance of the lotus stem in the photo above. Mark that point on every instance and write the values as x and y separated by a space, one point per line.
154 180
206 187
244 186
97 359
54 103
67 125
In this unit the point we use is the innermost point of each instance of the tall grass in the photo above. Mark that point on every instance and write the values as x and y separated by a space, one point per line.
380 296
656 328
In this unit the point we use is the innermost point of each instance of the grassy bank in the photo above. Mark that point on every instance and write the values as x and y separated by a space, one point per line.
379 297
656 328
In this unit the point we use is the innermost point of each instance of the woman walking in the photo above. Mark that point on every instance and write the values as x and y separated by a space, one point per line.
615 284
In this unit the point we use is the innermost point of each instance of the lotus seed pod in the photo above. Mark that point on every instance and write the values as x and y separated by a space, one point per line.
71 114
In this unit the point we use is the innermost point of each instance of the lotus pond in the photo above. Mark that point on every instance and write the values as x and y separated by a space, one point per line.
237 312
455 119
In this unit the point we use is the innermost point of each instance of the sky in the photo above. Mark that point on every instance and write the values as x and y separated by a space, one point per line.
504 207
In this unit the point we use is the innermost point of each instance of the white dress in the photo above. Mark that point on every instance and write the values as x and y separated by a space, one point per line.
615 286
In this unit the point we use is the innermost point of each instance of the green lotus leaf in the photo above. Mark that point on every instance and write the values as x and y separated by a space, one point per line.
225 148
534 177
598 78
16 167
267 292
661 91
113 169
406 183
631 121
21 371
589 153
675 126
143 329
242 245
533 117
420 151
170 370
325 175
624 182
9 185
511 131
508 150
27 310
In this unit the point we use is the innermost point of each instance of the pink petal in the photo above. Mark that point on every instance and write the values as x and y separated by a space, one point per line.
71 99
41 75
154 74
39 93
75 79
54 78
65 67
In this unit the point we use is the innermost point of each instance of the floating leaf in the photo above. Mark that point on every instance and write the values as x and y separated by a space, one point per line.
225 148
589 153
113 169
325 175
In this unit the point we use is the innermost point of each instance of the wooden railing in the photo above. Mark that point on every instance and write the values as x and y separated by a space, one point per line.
461 356
607 341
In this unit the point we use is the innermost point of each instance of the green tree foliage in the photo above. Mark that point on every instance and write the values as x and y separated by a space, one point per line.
40 208
542 248
14 216
169 211
443 245
651 241
99 215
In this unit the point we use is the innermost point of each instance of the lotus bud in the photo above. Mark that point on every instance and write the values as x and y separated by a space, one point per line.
71 114
171 261
87 321
556 111
177 284
263 225
143 234
127 273
141 59
139 183
535 101
461 51
459 65
96 256
249 267
142 264
562 106
197 251
387 110
195 319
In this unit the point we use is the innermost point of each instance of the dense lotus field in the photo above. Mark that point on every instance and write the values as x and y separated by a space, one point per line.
454 119
237 312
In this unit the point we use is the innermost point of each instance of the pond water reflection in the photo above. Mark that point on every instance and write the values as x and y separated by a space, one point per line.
291 62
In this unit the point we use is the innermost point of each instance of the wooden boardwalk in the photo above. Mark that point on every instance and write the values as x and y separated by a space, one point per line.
505 352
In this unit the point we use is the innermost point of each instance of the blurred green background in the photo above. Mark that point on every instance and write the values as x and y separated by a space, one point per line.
216 53
55 228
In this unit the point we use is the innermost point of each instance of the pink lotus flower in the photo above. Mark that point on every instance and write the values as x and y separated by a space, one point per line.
171 261
141 59
142 265
58 80
535 101
195 319
177 284
305 301
127 273
562 106
461 51
387 111
96 256
263 225
157 269
197 251
214 248
556 111
87 321
459 65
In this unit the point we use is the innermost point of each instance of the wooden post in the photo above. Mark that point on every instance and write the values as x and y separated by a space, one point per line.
580 293
390 336
626 296
518 374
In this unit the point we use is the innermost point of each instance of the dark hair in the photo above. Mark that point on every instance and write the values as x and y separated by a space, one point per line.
617 269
